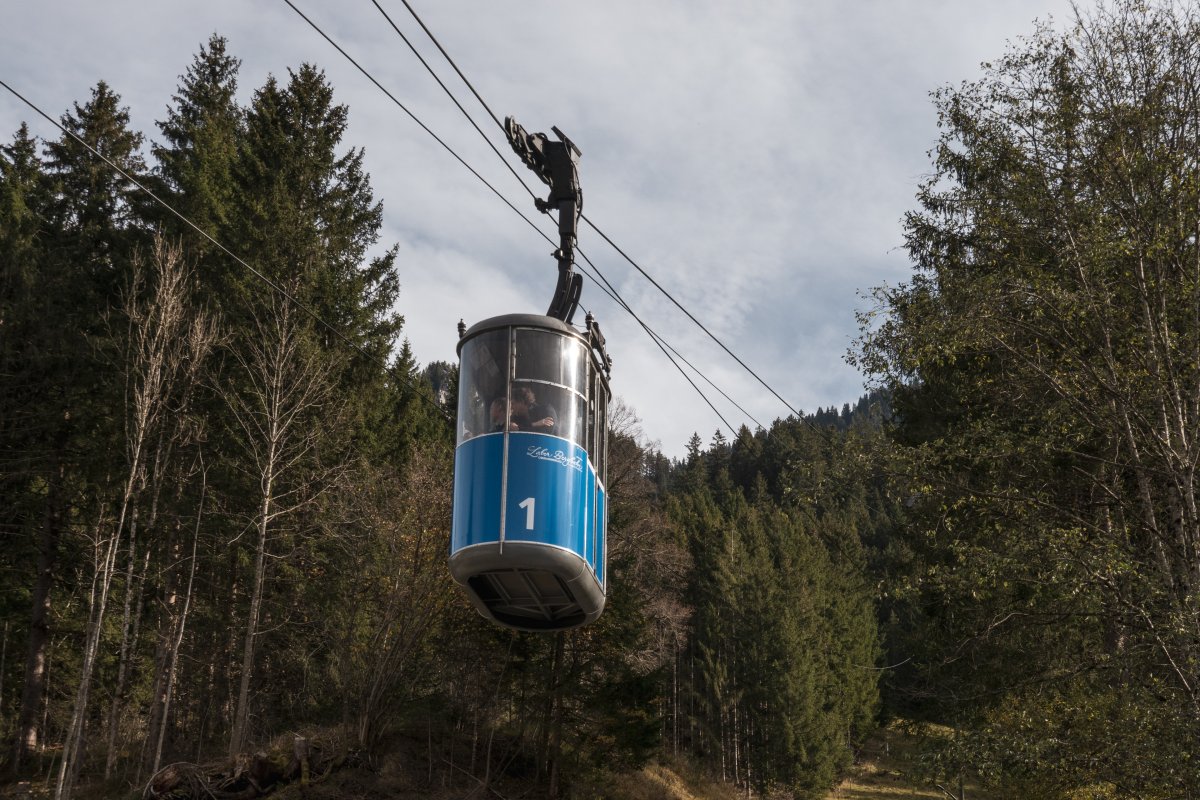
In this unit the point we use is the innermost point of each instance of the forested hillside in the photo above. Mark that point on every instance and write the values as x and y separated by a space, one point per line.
1044 366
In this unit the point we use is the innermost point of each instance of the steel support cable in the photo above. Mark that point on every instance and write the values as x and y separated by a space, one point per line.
709 382
616 296
414 117
446 55
482 102
678 305
603 285
657 337
658 341
450 94
295 301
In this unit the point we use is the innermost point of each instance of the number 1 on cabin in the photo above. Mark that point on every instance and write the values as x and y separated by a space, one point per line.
528 504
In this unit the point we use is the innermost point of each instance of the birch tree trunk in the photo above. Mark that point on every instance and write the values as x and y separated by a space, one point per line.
156 348
128 635
237 738
277 413
178 638
186 431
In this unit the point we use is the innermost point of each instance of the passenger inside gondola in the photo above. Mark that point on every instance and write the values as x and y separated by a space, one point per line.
498 419
529 415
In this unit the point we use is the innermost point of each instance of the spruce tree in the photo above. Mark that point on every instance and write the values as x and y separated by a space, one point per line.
201 134
308 212
26 467
93 206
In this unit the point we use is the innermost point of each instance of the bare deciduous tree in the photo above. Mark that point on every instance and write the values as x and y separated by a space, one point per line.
162 328
277 408
407 532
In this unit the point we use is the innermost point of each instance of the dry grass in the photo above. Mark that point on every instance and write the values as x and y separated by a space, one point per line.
884 772
663 782
884 769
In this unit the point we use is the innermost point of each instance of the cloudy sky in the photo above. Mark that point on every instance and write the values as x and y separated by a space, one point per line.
756 157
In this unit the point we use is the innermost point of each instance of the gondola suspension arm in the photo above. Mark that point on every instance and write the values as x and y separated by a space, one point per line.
556 164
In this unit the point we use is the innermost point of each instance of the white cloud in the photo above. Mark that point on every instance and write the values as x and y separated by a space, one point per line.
756 158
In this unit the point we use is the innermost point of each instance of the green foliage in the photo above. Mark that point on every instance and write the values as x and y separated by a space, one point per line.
1043 363
22 477
780 679
195 163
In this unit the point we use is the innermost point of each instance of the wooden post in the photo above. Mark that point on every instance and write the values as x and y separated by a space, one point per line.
300 749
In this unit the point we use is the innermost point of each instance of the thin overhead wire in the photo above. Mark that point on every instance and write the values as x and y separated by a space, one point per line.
450 94
679 305
635 265
412 116
610 291
282 292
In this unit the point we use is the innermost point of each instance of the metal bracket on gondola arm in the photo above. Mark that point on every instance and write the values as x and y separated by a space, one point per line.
556 163
597 344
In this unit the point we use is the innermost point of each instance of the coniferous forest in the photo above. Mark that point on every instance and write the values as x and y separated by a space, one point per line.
224 481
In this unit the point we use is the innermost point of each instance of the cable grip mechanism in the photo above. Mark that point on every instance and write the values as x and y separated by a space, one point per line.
556 163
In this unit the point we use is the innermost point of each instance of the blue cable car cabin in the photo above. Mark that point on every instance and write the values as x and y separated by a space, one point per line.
530 513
